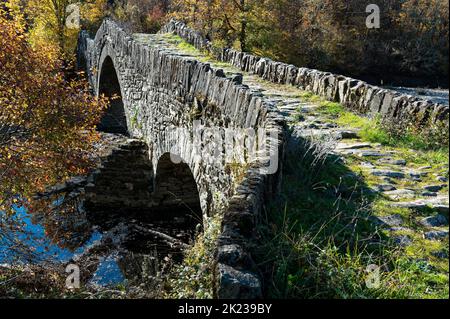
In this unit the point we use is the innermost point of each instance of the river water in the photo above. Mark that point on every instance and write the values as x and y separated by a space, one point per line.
435 95
110 249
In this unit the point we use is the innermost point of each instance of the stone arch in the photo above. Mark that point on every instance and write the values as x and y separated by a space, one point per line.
176 194
114 120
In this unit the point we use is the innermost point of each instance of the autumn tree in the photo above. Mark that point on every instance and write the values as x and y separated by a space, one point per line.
58 22
331 35
47 24
423 47
92 13
220 20
144 16
47 123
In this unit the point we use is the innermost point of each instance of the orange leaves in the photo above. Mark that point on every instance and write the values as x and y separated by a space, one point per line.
47 124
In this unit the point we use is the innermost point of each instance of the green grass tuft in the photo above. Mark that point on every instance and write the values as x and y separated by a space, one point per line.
372 130
193 279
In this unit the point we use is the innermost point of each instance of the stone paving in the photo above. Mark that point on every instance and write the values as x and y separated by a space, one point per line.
403 184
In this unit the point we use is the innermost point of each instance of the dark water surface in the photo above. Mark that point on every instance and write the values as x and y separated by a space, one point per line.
117 244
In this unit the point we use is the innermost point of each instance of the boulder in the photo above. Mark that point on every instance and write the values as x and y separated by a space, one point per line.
436 235
434 221
235 284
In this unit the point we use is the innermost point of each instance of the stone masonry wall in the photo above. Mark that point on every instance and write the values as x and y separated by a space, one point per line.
162 89
356 95
124 179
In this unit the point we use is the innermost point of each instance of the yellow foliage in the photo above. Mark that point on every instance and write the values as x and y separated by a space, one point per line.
47 123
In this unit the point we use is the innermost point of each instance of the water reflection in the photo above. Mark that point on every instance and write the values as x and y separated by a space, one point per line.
33 238
108 272
109 247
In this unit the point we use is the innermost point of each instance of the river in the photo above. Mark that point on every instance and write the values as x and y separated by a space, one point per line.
110 249
440 96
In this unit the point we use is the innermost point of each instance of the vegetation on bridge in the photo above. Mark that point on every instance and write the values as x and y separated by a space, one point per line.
320 236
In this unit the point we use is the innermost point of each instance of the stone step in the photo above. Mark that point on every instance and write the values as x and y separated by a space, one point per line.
388 173
400 194
392 161
439 204
355 146
434 221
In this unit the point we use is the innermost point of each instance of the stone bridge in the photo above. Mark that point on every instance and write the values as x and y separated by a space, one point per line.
205 143
176 109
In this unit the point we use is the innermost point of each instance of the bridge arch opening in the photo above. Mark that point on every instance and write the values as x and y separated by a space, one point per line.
114 120
176 192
